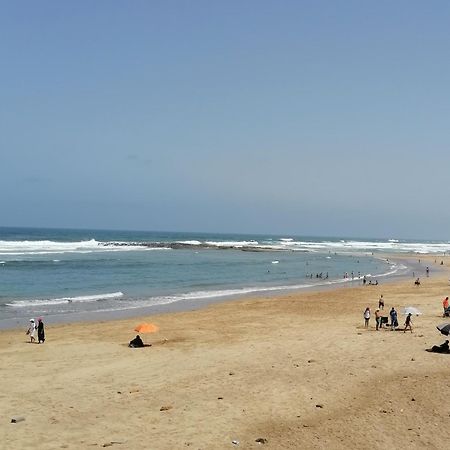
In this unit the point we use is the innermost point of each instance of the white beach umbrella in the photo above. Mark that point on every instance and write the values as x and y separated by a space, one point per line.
411 310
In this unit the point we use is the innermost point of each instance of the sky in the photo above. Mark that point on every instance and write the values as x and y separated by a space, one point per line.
317 118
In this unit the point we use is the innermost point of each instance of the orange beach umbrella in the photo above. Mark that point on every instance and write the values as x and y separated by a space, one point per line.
146 328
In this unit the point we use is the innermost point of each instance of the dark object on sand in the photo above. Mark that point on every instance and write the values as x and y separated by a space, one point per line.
444 328
136 342
443 348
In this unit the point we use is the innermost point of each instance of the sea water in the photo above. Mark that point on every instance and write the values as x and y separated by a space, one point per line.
59 273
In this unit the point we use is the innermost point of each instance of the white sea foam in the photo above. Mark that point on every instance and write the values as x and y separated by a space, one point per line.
10 248
234 244
368 246
59 301
53 247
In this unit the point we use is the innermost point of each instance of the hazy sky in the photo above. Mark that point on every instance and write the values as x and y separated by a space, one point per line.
301 117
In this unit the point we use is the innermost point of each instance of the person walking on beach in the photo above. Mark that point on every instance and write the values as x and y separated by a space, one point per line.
366 317
394 322
445 305
32 331
40 331
408 323
381 302
378 319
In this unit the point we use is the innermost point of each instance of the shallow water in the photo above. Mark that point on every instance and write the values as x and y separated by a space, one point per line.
67 272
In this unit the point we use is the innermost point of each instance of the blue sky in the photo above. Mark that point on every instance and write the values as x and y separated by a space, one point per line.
302 117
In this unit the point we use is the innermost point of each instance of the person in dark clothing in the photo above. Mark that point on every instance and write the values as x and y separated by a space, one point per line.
136 342
394 322
41 332
408 323
443 348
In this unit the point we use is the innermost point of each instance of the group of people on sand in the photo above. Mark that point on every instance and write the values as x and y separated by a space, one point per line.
36 331
37 334
381 320
408 325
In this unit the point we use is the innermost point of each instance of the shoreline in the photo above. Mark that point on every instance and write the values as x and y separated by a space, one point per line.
198 303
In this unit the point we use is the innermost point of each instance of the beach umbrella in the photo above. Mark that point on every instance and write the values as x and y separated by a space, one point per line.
411 310
444 328
146 328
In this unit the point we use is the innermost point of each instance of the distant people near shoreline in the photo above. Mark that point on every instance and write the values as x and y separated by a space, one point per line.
417 282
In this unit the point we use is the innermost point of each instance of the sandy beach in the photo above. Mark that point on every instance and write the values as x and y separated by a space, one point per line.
298 371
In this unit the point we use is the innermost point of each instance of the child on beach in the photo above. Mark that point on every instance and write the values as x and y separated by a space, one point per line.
381 302
366 317
408 323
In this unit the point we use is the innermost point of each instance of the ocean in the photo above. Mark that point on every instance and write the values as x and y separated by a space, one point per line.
66 274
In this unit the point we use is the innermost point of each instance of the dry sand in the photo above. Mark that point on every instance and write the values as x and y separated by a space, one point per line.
299 371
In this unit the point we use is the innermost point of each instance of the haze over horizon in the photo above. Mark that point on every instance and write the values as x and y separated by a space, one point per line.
307 118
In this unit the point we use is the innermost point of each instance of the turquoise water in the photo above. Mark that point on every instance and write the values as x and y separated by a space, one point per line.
62 272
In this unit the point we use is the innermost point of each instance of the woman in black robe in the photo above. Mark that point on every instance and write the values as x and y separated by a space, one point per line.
136 342
41 332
